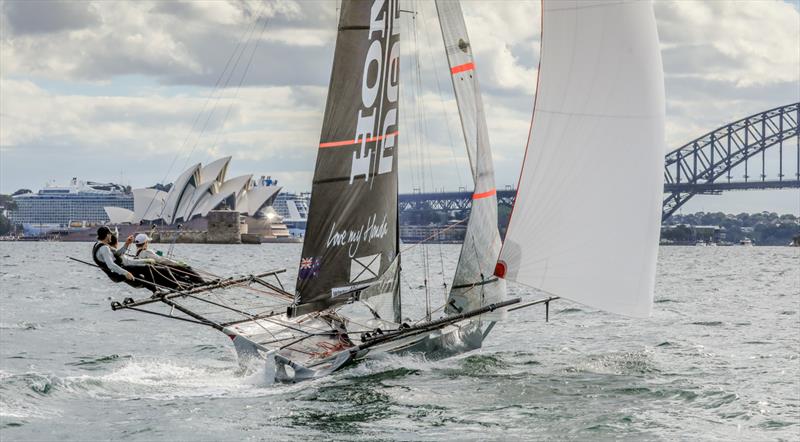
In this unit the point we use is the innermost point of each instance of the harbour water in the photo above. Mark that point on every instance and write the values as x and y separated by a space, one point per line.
718 360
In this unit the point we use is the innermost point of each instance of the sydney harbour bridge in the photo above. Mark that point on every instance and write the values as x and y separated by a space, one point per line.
761 151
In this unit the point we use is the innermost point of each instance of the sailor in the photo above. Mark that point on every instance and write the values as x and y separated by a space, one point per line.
104 257
142 242
120 251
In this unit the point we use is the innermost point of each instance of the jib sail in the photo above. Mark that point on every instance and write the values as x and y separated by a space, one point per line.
474 284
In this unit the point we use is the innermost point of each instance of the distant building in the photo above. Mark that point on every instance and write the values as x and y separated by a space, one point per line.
294 210
194 193
454 231
80 202
711 234
198 191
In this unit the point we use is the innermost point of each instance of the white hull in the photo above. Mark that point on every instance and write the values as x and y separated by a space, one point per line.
294 366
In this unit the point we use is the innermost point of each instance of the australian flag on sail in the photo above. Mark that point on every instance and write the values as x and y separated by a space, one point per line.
309 268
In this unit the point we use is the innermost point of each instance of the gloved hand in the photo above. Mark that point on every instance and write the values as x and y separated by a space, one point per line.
149 261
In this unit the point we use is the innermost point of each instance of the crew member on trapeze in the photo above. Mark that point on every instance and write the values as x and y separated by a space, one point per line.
138 273
111 262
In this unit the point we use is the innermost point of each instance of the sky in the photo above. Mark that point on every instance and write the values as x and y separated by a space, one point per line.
135 92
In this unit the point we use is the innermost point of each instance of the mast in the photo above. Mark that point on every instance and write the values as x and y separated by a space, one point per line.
586 218
473 283
351 235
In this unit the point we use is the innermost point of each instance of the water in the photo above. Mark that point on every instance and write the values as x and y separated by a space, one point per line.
718 360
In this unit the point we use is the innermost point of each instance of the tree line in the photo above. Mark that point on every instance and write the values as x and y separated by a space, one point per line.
765 228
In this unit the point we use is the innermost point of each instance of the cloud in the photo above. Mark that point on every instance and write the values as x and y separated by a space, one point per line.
128 79
154 130
171 42
742 43
46 17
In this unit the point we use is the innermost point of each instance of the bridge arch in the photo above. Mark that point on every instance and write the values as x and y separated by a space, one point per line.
702 166
705 164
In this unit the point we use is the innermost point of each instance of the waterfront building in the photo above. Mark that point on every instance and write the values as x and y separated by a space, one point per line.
293 208
79 203
196 192
452 232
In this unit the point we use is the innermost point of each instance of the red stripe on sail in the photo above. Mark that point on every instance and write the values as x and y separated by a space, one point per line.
462 67
477 196
351 142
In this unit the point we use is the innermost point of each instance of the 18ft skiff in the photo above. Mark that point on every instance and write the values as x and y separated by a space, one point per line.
599 106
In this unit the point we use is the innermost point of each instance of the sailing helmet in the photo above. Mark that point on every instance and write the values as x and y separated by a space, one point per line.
141 239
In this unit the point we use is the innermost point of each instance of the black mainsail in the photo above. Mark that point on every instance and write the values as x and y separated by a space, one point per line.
351 235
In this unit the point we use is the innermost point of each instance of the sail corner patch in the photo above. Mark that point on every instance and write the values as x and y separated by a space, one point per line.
364 268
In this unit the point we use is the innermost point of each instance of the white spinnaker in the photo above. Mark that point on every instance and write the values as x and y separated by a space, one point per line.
474 285
586 220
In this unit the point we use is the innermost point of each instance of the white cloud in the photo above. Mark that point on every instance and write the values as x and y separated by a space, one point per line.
744 43
128 129
67 81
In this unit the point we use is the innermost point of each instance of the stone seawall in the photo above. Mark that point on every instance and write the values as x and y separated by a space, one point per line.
224 227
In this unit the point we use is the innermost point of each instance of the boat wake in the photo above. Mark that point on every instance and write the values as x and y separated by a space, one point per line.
34 395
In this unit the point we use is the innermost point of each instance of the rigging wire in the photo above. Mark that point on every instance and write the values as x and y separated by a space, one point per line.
214 90
409 114
241 52
241 80
451 144
423 157
425 132
445 115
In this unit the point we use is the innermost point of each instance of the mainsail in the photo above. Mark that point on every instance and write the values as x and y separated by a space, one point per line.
473 284
351 235
585 223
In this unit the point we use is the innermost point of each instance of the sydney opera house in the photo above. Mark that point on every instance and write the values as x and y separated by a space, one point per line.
199 190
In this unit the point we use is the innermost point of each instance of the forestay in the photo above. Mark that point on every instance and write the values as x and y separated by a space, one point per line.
585 224
473 283
351 235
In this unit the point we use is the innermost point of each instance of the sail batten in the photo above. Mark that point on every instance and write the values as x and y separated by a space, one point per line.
351 234
586 218
473 284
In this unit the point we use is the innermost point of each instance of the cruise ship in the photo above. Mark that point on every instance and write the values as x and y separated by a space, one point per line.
59 208
293 208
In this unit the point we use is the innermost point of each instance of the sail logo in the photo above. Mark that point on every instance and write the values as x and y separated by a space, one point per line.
380 82
353 238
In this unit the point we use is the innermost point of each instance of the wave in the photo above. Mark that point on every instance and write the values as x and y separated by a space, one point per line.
134 379
628 363
22 325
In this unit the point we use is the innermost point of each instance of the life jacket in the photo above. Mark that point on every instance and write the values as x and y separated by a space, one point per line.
117 260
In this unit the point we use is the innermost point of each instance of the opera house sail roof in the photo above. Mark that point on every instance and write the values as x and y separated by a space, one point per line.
197 191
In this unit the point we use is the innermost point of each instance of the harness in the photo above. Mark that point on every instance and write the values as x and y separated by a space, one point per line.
117 260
